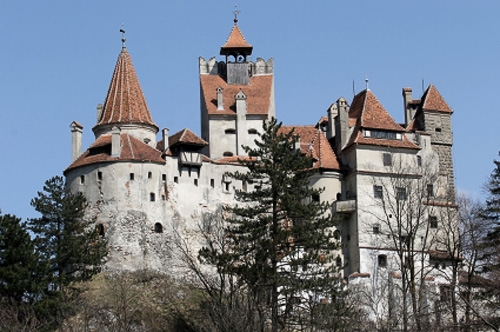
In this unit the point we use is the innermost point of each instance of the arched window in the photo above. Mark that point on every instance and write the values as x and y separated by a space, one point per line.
158 228
99 228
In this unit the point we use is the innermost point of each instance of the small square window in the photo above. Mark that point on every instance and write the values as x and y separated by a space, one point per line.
430 190
132 176
378 192
387 159
382 260
315 197
433 222
376 229
401 193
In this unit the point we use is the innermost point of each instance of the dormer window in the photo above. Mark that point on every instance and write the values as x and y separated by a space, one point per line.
382 134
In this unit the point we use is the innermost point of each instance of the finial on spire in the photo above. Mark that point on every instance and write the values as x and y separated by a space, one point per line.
236 12
122 30
366 81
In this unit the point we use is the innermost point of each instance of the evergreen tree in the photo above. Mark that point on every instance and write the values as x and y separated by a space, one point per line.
18 261
69 246
492 213
281 239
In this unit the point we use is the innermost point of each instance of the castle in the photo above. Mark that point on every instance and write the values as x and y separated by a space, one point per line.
146 192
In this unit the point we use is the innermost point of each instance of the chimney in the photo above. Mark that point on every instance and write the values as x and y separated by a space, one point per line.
297 143
407 98
116 148
76 140
333 111
241 129
342 124
99 111
165 139
220 101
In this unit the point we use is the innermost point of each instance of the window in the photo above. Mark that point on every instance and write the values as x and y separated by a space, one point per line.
338 261
382 260
150 175
158 228
403 239
99 176
227 154
445 293
387 159
378 192
152 197
99 228
430 190
315 197
226 186
230 131
433 222
419 161
401 193
438 130
376 229
336 235
244 186
176 179
164 177
212 183
252 131
82 179
132 176
196 182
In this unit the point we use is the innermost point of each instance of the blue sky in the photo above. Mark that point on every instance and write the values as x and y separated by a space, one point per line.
57 58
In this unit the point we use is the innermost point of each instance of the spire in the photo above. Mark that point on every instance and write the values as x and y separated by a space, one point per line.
236 43
125 102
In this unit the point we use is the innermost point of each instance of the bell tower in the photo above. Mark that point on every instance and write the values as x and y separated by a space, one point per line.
236 50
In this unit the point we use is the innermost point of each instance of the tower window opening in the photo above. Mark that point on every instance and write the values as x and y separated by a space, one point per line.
164 177
382 260
158 228
132 176
100 229
152 197
176 179
150 175
230 131
227 154
99 176
196 182
433 222
338 262
212 183
252 131
82 179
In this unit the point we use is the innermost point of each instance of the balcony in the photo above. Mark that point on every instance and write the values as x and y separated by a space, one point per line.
347 206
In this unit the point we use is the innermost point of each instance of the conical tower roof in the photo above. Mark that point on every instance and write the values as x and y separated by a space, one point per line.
236 41
125 102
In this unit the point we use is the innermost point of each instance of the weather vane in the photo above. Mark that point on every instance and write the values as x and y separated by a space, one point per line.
122 30
366 81
236 12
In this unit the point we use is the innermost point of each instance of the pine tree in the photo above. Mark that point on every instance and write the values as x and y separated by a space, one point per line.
18 261
281 239
69 246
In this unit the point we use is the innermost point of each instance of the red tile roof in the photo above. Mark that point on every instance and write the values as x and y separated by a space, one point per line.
313 142
125 102
433 101
186 136
367 112
258 93
236 40
132 149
